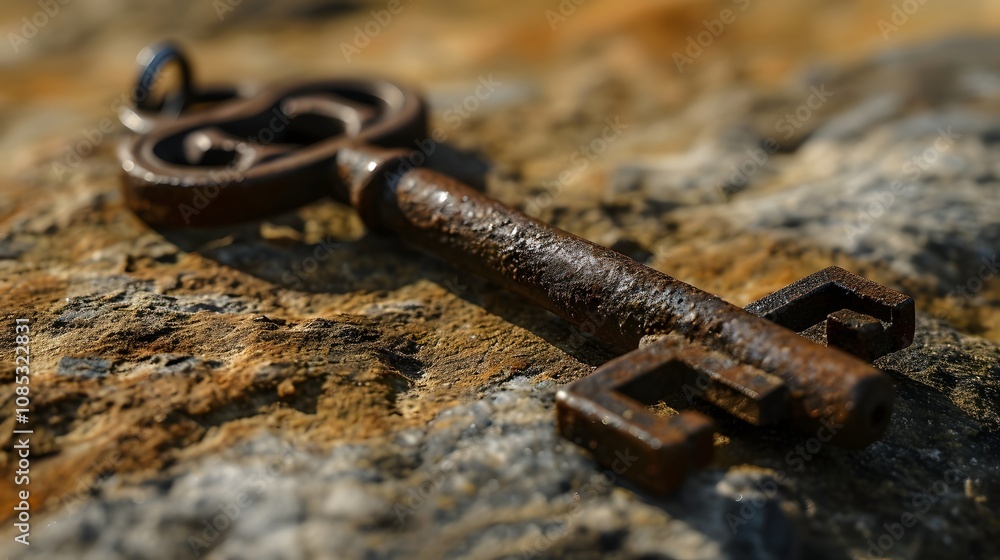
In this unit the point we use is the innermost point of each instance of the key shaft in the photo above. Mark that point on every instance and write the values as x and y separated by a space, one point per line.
617 299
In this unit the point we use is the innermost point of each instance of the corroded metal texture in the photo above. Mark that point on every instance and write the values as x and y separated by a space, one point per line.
608 409
244 158
614 297
746 364
607 412
330 138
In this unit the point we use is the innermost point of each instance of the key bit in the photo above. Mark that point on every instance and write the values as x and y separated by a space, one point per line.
670 365
862 317
750 363
607 412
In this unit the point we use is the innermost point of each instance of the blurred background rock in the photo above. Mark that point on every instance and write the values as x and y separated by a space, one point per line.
760 142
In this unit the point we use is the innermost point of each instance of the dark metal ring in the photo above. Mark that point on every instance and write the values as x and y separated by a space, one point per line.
141 114
152 59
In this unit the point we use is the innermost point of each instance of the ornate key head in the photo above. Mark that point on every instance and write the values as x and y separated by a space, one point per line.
216 156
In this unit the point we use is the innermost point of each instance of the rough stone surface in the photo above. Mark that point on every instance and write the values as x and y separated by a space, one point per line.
298 388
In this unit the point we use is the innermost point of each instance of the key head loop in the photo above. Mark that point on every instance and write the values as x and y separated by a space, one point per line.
143 111
246 158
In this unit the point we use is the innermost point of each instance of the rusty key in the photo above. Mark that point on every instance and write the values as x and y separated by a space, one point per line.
337 138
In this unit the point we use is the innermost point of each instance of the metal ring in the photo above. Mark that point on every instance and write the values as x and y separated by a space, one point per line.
152 59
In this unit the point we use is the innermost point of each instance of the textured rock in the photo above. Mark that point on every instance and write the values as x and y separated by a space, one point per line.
83 367
330 393
493 479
